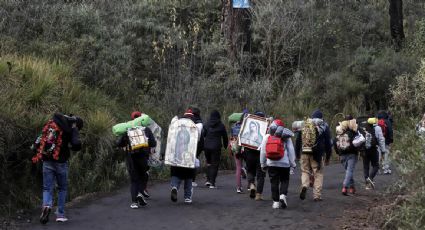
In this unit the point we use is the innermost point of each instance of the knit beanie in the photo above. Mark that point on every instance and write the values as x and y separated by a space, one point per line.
135 114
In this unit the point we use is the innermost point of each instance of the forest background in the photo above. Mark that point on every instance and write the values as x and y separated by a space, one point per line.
103 59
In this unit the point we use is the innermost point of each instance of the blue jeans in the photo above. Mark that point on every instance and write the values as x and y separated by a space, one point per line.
349 162
55 172
175 182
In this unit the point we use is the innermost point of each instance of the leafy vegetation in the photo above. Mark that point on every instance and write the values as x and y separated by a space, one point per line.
409 153
32 90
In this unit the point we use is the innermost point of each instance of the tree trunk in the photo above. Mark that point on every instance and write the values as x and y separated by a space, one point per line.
235 27
396 23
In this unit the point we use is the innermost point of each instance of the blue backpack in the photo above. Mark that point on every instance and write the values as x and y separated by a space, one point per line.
235 129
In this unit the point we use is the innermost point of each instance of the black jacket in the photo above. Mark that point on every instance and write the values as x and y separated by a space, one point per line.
215 133
70 139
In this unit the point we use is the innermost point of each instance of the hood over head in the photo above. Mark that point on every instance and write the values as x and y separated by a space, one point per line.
382 114
317 114
214 118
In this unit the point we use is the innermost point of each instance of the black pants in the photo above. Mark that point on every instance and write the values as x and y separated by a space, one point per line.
137 166
254 169
279 180
213 161
370 157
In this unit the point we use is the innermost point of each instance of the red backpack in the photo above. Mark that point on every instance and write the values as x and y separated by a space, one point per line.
274 148
383 126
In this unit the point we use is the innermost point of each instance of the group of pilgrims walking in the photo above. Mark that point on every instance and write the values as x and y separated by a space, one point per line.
279 148
259 145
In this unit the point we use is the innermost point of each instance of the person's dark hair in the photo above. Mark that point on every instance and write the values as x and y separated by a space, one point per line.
260 114
196 112
215 115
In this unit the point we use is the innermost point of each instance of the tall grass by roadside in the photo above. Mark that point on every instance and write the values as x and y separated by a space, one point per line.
31 91
407 211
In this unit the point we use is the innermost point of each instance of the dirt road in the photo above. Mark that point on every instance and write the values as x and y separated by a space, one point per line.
222 208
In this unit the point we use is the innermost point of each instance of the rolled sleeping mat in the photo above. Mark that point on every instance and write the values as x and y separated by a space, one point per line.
121 128
235 117
297 125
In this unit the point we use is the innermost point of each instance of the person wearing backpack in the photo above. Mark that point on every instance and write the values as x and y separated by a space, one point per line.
387 130
215 136
374 141
277 157
198 120
58 137
346 131
137 162
236 152
181 174
254 171
316 142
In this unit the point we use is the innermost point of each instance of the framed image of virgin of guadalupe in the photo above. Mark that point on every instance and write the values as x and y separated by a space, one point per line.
253 131
182 143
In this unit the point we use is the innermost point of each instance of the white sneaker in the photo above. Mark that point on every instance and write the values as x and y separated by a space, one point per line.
371 183
61 219
213 187
194 184
134 206
208 184
282 200
239 190
276 205
188 201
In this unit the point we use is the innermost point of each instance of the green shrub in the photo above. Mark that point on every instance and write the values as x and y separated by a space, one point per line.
408 153
33 90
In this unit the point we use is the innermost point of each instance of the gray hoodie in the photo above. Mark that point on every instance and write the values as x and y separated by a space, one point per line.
288 160
380 138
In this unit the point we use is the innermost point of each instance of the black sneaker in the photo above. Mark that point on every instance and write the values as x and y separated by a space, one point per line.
141 200
174 194
283 202
303 193
44 218
252 191
145 194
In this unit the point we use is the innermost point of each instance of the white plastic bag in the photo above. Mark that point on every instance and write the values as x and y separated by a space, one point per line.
359 140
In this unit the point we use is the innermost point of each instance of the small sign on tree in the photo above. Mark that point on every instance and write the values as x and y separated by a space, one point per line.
241 4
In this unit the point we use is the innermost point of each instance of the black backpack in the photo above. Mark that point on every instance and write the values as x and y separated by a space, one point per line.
368 131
